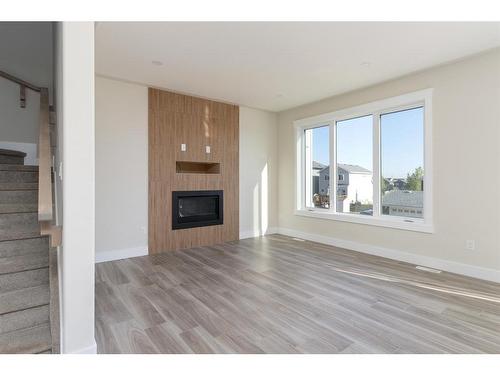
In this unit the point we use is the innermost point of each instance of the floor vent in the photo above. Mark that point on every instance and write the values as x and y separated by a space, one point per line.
298 239
427 269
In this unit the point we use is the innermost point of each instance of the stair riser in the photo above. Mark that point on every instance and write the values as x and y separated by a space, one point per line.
22 280
19 168
10 159
23 263
19 186
24 299
11 208
29 340
19 196
24 319
25 222
18 176
24 247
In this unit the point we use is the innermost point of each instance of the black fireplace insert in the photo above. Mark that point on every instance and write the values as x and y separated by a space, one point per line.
201 208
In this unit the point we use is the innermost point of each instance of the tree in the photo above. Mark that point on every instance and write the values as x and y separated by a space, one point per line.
386 186
414 181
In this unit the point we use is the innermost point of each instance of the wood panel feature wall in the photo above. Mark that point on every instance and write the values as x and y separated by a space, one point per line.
175 119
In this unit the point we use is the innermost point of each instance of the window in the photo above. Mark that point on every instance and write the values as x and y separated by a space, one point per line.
402 158
380 154
354 143
317 173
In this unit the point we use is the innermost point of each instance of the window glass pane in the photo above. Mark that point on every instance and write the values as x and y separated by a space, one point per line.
354 166
317 162
402 162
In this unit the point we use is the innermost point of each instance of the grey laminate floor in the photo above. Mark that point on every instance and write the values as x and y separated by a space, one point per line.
277 295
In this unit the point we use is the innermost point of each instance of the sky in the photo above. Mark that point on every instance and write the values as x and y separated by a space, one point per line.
401 142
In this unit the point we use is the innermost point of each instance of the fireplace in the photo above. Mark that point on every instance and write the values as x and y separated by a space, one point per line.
201 208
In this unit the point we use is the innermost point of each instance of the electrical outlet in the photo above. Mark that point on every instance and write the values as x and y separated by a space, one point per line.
144 230
470 245
207 149
183 147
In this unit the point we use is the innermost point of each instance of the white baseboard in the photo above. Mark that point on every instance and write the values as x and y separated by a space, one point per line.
106 256
91 349
59 284
400 255
250 233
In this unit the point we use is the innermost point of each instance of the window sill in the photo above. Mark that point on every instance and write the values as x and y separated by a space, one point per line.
417 225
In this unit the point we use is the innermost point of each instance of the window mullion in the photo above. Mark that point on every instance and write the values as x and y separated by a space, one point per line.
300 169
333 167
308 164
376 166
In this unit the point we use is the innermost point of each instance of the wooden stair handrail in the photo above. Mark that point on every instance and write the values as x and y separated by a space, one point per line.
45 200
23 85
44 160
19 81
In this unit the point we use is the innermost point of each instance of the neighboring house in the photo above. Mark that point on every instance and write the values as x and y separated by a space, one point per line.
397 183
354 183
324 181
403 203
316 168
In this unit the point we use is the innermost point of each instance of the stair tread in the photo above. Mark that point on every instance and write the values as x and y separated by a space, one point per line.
17 167
18 186
24 262
28 340
19 235
4 151
9 208
19 190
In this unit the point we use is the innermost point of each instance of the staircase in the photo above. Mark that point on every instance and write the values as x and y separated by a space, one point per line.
25 282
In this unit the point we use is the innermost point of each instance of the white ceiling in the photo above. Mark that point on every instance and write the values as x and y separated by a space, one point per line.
276 66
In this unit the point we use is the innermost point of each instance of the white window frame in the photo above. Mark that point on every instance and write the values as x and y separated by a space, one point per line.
422 98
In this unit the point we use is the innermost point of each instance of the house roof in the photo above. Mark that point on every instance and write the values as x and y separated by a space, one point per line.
350 168
318 165
403 198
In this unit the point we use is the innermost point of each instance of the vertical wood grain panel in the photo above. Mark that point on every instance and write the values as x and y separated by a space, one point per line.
176 119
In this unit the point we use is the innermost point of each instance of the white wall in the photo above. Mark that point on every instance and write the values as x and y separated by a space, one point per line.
26 52
75 102
258 172
466 134
121 168
18 124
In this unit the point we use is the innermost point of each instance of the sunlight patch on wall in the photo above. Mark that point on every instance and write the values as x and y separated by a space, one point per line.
264 206
256 209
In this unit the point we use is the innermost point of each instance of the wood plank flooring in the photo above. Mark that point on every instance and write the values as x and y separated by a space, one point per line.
275 294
